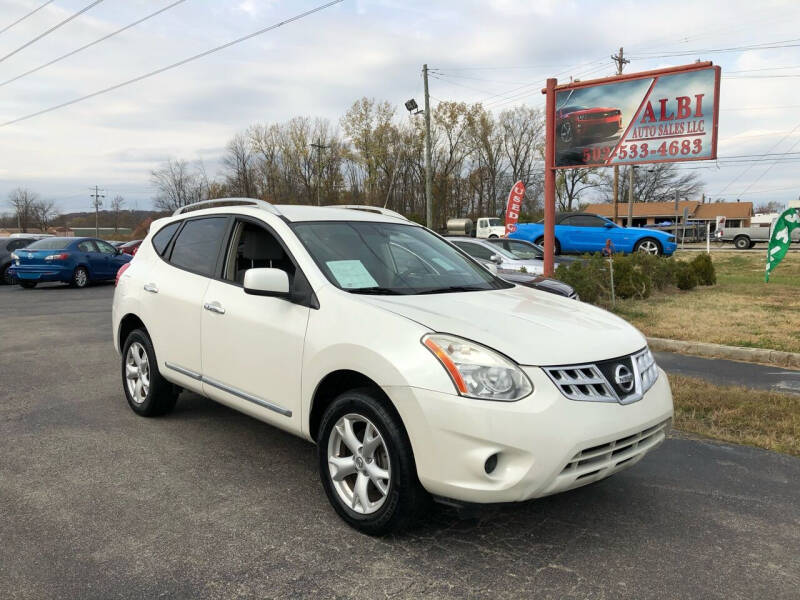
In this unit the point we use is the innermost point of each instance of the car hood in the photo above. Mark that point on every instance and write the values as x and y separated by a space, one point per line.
530 326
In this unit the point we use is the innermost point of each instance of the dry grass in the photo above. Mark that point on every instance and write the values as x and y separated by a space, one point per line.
760 418
741 310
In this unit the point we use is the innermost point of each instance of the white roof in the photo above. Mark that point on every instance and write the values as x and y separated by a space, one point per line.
301 212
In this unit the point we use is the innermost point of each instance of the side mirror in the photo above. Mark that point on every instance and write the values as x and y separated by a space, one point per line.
266 282
496 259
608 225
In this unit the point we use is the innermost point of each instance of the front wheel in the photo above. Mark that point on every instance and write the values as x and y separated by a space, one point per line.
80 277
366 464
648 246
742 242
147 392
556 245
5 276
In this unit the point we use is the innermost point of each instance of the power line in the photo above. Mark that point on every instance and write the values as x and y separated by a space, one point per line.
23 17
297 17
51 30
90 44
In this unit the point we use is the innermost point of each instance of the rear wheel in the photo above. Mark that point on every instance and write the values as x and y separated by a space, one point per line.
366 464
556 245
147 392
493 236
5 276
648 246
80 277
742 242
28 285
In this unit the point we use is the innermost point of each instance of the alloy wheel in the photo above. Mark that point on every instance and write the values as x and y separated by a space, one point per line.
137 372
565 132
81 278
648 247
358 461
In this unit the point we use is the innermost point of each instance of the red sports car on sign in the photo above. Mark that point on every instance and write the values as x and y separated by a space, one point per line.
575 124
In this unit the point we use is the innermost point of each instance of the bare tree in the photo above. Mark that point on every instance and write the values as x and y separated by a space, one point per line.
44 213
116 207
178 184
571 184
658 182
238 162
23 200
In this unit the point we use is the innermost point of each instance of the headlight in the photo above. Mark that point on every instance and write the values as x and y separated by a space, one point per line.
14 256
477 371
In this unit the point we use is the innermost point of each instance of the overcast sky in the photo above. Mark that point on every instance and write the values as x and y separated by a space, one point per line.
482 50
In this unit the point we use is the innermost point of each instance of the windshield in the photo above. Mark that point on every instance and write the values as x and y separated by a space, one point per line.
49 244
389 258
495 223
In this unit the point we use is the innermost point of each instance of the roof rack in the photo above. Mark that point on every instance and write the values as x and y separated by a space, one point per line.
373 209
262 204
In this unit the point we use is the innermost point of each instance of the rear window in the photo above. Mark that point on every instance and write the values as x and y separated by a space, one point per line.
197 245
50 244
162 238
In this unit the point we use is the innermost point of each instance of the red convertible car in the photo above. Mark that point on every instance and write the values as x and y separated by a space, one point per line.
576 124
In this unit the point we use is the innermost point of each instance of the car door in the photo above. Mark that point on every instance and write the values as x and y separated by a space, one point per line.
252 345
174 291
109 259
89 254
568 234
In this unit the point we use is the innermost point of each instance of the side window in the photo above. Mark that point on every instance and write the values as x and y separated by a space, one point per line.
87 246
197 246
162 238
587 221
105 247
15 244
523 250
475 250
253 247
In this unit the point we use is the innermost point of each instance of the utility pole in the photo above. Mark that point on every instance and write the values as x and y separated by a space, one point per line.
630 196
97 202
428 174
319 147
621 62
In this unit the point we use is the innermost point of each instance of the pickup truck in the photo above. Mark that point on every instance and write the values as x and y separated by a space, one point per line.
747 237
490 228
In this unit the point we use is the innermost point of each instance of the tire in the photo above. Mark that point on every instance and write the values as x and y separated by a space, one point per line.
742 242
648 246
156 396
556 245
80 277
389 463
493 236
565 132
28 285
5 276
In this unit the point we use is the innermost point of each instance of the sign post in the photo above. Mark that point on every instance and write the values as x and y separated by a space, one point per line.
550 177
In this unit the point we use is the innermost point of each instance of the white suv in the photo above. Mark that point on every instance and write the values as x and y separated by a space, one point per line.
415 370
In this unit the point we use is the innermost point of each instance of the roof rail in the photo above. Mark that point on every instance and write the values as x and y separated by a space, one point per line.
373 209
262 204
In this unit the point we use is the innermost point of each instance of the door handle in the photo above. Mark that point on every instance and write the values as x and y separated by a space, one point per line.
151 287
214 307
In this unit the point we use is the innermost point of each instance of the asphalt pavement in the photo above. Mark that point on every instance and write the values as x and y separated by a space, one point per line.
731 372
96 502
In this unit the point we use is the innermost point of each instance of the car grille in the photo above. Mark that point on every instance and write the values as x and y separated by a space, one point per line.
593 461
622 380
602 115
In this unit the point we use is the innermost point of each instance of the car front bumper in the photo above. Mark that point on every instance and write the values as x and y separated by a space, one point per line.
544 443
669 248
41 272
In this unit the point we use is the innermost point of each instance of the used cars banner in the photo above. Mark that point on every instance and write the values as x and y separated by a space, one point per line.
643 118
513 206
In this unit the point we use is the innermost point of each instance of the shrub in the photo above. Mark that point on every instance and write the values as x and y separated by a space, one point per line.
589 277
685 276
704 269
631 279
660 270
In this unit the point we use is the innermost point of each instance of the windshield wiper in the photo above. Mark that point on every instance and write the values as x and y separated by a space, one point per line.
376 290
454 288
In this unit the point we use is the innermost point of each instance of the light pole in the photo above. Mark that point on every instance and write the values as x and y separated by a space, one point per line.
413 110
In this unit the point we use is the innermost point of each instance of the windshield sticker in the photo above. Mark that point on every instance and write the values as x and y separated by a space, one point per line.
351 274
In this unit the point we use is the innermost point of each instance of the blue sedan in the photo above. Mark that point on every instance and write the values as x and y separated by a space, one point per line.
77 261
584 232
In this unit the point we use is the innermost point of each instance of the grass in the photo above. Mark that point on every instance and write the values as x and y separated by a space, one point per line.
741 310
766 419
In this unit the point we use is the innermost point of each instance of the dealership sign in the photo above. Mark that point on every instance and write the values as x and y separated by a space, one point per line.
660 116
513 206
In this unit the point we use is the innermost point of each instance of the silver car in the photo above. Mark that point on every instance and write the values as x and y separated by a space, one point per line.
506 261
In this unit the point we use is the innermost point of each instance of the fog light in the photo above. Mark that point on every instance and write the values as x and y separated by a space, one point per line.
490 464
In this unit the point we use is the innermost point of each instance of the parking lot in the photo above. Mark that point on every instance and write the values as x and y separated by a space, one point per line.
207 503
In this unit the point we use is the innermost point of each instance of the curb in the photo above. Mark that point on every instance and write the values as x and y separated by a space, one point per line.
790 360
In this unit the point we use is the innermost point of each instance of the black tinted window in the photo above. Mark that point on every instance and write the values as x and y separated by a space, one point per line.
197 245
475 250
14 244
586 221
162 238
